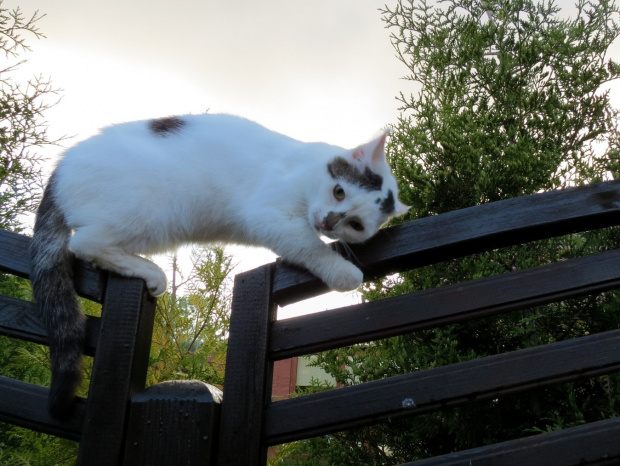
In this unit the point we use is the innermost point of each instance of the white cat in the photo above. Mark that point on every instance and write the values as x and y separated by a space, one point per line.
149 186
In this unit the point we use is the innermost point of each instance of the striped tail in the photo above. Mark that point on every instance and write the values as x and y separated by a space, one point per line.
52 285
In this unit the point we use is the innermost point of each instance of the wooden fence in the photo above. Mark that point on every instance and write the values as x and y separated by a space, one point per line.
187 423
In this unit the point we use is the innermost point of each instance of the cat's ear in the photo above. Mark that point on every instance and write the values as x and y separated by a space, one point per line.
400 209
372 152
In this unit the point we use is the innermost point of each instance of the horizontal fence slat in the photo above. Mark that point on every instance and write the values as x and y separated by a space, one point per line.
468 231
18 319
429 390
448 304
15 259
25 405
595 442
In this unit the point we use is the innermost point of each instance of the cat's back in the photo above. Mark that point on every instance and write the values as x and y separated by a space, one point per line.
179 140
180 156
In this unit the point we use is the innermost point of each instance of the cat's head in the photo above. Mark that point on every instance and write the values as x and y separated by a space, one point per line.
357 196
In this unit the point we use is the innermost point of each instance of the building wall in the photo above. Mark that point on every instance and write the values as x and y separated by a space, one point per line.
288 374
284 378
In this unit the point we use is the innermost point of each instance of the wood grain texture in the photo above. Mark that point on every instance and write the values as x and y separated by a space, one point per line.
25 405
448 304
15 259
594 443
468 231
429 390
173 422
247 386
19 319
14 256
119 369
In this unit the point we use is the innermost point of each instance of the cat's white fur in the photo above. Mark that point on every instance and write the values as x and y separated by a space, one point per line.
218 178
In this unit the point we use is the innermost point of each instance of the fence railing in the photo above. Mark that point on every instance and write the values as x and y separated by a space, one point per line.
121 423
257 339
119 341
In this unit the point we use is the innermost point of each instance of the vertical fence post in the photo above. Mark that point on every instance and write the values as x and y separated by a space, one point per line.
174 422
247 385
119 369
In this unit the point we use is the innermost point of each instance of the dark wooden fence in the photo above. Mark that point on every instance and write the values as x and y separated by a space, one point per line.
182 422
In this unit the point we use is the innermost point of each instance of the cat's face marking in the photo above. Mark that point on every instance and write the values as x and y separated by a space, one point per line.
331 220
166 126
340 169
358 196
388 204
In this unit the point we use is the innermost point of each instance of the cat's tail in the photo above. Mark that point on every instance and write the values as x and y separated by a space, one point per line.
52 284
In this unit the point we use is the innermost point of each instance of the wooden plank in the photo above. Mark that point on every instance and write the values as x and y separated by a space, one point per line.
247 386
173 422
89 282
119 369
14 256
448 304
429 390
25 405
593 443
18 319
468 231
15 259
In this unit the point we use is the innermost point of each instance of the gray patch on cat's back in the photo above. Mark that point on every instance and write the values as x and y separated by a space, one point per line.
166 126
340 169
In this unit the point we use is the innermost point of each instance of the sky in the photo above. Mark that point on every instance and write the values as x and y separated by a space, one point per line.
319 70
314 70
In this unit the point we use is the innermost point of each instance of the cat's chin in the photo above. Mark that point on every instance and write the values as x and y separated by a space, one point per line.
327 234
332 236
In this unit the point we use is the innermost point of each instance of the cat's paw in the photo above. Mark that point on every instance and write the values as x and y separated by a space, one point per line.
156 282
342 276
157 288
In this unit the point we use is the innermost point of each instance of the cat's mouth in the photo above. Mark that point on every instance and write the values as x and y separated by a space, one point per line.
328 233
328 223
322 228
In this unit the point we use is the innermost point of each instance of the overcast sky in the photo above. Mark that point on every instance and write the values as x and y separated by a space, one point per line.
314 69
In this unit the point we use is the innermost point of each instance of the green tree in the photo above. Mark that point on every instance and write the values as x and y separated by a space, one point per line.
191 330
22 128
22 132
513 99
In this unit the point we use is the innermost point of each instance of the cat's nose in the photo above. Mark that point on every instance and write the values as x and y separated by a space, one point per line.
331 220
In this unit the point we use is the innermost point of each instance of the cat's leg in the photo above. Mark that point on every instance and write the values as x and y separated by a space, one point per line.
91 246
305 248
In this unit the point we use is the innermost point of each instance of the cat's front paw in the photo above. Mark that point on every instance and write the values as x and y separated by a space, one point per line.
343 276
156 282
157 287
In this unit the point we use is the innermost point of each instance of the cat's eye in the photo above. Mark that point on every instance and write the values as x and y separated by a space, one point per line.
357 226
339 192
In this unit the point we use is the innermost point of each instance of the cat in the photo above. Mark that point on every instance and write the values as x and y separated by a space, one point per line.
149 186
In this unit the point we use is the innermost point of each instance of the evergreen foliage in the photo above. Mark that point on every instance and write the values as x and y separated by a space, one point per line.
191 330
22 128
513 100
22 132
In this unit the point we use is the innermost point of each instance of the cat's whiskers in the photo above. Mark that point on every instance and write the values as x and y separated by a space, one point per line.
347 252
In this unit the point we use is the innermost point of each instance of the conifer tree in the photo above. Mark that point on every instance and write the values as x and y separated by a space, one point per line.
22 127
513 98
